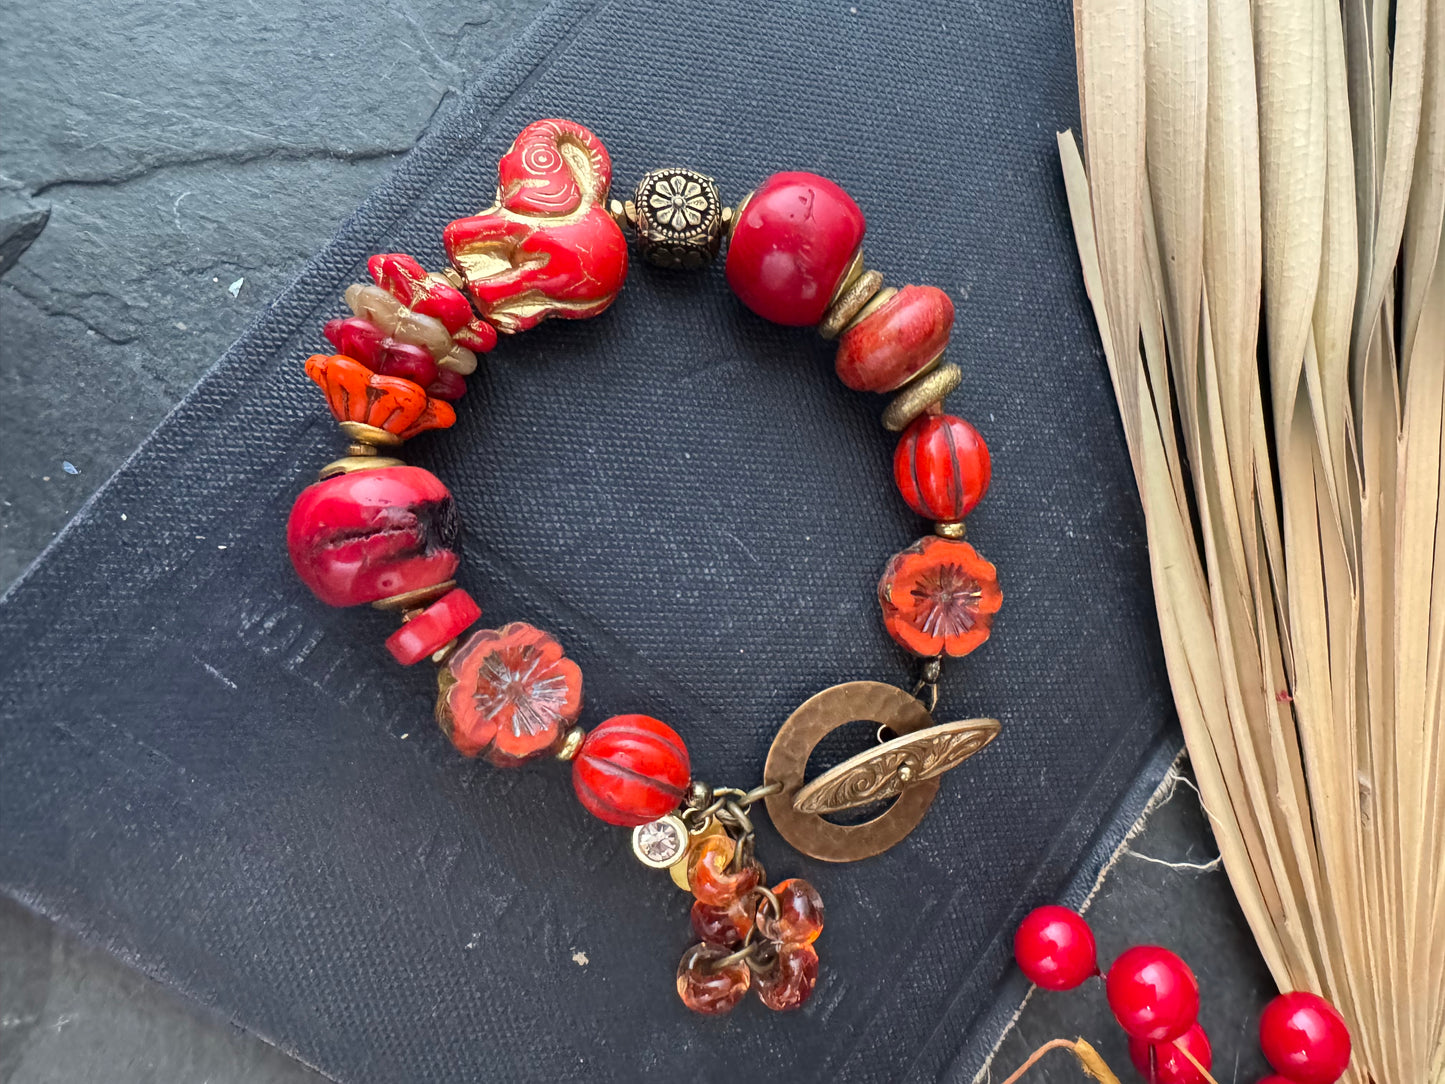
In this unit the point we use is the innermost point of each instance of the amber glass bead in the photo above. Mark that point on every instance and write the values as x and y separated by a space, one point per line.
707 988
728 926
712 877
800 916
790 981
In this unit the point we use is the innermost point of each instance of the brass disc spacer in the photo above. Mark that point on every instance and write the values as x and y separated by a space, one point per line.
362 433
571 744
349 464
411 600
957 531
918 395
849 303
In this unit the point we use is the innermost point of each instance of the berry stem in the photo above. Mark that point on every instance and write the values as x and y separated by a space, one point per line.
1087 1056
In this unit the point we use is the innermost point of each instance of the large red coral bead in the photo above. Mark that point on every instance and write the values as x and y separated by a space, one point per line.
630 770
791 245
365 536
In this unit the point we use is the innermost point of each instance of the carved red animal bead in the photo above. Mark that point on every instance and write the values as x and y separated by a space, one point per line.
895 340
630 770
791 244
547 246
364 536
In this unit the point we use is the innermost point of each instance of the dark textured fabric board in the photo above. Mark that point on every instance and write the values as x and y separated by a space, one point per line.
232 786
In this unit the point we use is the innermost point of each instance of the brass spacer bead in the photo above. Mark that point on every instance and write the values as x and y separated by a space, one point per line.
618 211
918 395
362 433
855 268
955 530
874 303
571 744
850 302
361 449
699 795
932 364
410 600
351 463
452 275
443 653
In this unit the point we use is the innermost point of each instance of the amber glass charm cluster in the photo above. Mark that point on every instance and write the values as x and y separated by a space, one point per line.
375 530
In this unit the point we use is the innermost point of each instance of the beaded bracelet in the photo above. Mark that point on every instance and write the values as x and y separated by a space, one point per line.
374 530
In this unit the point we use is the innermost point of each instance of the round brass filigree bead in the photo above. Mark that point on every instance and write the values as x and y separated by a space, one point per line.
678 216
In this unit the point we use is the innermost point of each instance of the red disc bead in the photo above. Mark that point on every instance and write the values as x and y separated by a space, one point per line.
367 535
1170 1064
1054 948
791 244
942 467
1305 1038
446 618
1153 994
630 770
895 340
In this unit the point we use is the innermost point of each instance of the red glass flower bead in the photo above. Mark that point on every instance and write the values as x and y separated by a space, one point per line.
447 385
792 242
441 622
1170 1064
1153 994
356 394
361 340
630 770
509 694
395 320
711 876
1305 1038
942 467
707 988
939 597
547 247
371 534
800 917
790 981
896 340
1055 949
431 295
728 925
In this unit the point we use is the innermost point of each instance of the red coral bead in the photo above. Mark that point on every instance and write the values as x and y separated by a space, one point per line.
1170 1064
1305 1038
896 340
442 621
630 770
1055 949
371 534
791 245
942 467
1153 994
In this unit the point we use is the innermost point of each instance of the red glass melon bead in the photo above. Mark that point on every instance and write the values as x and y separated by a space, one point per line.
894 341
630 770
792 242
371 534
707 988
790 981
800 913
441 622
942 467
1055 949
1153 994
711 876
728 926
1170 1064
1305 1038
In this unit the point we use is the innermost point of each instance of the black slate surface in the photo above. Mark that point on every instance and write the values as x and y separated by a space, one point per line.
986 360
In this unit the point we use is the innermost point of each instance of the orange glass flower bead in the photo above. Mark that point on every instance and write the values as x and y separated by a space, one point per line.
728 926
356 394
707 988
800 916
939 597
711 876
509 694
789 983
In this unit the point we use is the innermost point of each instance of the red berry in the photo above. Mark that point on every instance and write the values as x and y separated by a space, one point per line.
1170 1064
1305 1038
1274 1078
1154 995
1055 948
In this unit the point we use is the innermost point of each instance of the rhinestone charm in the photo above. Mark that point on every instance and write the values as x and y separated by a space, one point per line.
678 216
660 843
